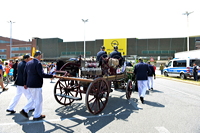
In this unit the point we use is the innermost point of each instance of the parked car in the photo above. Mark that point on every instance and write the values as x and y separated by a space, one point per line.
182 68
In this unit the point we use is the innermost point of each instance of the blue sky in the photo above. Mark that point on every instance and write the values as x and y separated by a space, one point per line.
107 19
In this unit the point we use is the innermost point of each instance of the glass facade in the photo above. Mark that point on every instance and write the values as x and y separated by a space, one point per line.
158 51
2 50
2 41
20 48
76 53
18 54
3 56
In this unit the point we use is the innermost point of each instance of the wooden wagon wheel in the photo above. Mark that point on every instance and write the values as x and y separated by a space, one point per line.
129 89
97 95
65 91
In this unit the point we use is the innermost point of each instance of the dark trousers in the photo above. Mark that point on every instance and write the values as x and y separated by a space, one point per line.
14 75
195 74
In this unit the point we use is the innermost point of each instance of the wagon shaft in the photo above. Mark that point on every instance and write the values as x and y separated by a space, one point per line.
75 79
115 77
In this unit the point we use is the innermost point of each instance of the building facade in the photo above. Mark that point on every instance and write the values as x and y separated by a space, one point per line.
164 48
9 49
55 49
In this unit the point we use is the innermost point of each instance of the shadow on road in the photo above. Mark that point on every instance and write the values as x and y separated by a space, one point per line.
155 104
29 126
117 108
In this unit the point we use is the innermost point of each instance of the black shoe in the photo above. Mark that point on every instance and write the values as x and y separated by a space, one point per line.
142 99
11 111
151 88
31 110
111 90
39 118
5 89
24 113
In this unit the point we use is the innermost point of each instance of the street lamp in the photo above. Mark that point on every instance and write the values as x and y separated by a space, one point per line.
10 36
187 13
86 20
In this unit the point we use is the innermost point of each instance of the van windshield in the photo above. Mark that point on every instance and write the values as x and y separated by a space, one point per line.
196 61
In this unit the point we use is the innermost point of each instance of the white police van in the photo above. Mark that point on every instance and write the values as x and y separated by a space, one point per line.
182 68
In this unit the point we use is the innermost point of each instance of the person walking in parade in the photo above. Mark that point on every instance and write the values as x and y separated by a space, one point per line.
20 86
141 71
33 80
1 77
150 76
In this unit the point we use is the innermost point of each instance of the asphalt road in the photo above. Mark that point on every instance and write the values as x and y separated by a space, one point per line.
173 107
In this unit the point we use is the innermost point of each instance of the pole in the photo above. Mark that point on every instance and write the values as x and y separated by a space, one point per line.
84 35
11 37
188 49
188 13
84 40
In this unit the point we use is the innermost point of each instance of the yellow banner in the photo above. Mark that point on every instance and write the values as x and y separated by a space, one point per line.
121 43
33 51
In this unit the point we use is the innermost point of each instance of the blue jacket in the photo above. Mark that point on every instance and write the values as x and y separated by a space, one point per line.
152 73
141 71
20 78
101 54
115 54
34 74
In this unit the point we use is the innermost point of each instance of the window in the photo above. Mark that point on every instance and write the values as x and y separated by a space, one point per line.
169 64
2 56
2 50
179 63
18 54
20 48
2 41
196 61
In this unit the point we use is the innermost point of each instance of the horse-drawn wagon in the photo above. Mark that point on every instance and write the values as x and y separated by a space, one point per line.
77 78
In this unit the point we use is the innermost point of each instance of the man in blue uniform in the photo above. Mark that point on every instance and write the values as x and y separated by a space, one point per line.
141 71
150 77
100 54
117 55
33 80
20 85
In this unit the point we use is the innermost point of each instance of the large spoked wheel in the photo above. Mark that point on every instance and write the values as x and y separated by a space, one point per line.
129 89
65 91
97 95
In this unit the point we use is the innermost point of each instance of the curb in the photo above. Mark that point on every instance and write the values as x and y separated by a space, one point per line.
180 80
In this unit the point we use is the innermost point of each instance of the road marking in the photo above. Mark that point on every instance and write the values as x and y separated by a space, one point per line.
62 119
162 130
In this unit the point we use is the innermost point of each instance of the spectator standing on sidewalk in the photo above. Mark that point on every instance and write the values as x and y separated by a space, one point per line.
15 70
161 68
141 71
150 76
20 86
195 71
33 80
1 77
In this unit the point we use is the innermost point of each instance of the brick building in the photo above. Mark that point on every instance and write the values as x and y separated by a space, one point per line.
17 47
